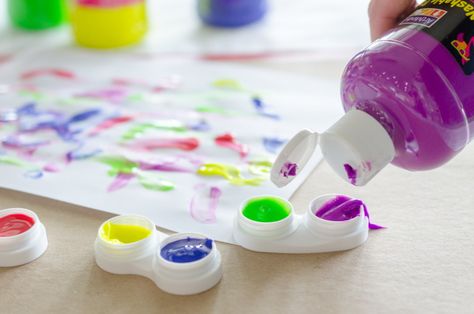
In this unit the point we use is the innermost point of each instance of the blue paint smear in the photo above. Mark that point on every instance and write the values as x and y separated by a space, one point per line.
34 174
186 250
201 125
82 116
80 153
263 109
33 119
272 144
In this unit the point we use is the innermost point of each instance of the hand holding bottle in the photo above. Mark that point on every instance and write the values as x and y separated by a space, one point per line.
386 14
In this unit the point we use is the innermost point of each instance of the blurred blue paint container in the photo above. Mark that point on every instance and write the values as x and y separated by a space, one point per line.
231 13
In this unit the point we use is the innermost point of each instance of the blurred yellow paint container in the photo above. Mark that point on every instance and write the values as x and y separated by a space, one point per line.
108 23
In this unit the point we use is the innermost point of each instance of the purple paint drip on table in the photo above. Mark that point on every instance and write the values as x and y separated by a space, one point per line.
342 208
186 250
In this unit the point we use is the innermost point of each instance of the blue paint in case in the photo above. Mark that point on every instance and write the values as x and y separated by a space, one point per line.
231 13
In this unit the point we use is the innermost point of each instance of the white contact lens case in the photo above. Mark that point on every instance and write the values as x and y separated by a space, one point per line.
305 233
25 247
144 258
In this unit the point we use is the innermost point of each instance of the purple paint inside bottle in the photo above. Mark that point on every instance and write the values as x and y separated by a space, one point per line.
187 250
351 173
413 86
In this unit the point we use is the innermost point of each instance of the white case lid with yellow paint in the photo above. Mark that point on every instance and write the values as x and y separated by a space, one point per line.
143 258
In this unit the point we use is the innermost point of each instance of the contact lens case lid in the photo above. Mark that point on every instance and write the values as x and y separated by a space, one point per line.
22 237
294 157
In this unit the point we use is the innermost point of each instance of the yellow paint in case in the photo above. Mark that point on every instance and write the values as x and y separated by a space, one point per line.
123 233
108 23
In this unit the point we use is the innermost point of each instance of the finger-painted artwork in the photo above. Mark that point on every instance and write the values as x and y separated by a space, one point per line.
183 145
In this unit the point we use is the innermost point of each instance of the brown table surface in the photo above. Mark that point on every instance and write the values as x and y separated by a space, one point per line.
422 263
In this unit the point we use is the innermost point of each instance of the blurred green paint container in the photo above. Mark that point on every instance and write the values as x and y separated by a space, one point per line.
37 14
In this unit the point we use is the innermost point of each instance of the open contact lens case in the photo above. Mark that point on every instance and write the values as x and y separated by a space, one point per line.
269 224
22 237
182 263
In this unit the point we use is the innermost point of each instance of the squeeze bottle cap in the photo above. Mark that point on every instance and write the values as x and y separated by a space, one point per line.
294 156
357 147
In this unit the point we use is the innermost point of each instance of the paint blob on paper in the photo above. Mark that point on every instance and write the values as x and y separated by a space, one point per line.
227 140
230 173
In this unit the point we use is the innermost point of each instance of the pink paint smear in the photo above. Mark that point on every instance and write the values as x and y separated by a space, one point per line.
227 140
186 144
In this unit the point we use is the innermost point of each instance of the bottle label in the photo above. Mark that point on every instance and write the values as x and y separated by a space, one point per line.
107 3
451 22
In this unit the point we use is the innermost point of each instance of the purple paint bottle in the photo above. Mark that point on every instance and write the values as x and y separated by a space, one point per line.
408 97
231 13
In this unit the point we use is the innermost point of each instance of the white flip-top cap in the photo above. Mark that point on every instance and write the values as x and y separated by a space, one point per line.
294 157
357 147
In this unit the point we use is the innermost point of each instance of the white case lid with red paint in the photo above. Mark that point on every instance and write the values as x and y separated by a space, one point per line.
25 247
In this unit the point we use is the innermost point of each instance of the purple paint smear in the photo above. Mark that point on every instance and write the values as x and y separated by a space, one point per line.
342 208
204 203
289 169
169 166
351 173
120 181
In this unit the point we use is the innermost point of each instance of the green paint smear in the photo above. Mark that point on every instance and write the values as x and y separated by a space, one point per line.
135 97
9 160
119 165
33 94
211 109
229 172
140 129
154 183
266 209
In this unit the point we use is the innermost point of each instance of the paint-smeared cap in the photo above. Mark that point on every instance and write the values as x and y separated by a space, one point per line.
357 147
294 157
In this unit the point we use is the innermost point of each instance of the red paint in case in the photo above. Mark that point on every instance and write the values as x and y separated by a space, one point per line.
22 237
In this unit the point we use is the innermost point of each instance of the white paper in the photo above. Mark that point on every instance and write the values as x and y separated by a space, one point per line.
302 102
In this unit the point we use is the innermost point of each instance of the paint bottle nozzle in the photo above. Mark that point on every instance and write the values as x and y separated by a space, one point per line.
357 147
